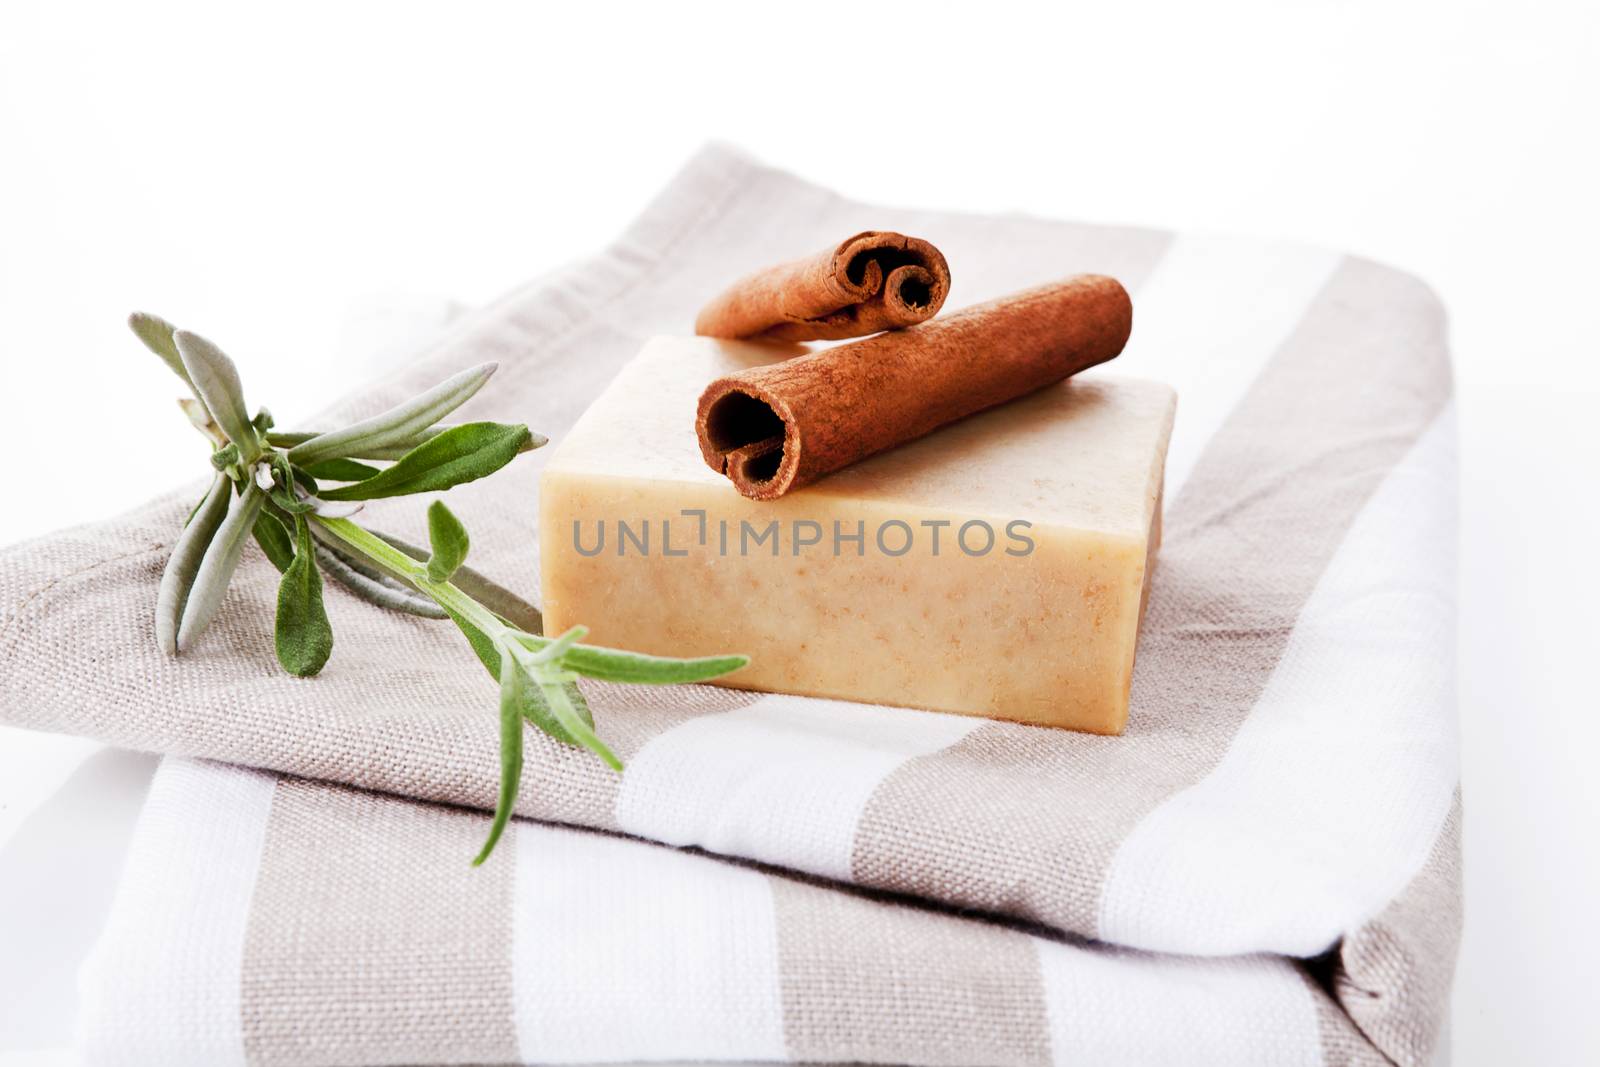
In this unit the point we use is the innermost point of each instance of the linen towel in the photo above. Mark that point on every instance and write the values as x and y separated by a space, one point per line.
272 920
1287 784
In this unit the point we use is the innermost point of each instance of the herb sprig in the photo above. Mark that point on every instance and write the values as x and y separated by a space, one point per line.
270 486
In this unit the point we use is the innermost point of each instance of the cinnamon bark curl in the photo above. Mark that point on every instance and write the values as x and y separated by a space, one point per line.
870 282
777 427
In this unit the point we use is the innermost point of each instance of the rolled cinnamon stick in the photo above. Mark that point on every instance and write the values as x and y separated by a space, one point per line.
870 282
777 427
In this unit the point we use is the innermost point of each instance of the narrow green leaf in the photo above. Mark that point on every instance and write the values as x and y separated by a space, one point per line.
511 608
375 590
216 569
290 503
463 454
341 470
177 580
534 707
289 474
225 457
303 635
513 684
285 499
273 537
385 453
561 707
398 423
156 333
449 540
616 665
579 703
216 381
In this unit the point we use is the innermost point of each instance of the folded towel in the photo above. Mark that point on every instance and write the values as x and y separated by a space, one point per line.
273 920
1287 784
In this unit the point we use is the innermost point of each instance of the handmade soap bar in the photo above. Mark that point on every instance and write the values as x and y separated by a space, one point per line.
996 567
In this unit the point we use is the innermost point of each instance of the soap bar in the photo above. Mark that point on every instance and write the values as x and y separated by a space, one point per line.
996 567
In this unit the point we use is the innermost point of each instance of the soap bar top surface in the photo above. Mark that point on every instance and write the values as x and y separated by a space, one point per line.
1078 454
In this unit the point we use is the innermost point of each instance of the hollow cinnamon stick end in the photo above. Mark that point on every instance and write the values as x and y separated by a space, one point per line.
872 281
745 435
917 291
901 280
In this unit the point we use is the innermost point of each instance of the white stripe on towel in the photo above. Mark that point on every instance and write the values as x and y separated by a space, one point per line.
1331 795
163 984
1209 319
1108 1006
783 780
641 952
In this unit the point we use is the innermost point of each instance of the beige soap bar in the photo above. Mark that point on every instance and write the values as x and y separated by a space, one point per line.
996 567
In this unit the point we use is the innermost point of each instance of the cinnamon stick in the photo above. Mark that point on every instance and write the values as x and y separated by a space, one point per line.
784 425
870 282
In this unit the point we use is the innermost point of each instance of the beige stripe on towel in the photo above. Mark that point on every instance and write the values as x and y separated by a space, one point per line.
883 983
372 940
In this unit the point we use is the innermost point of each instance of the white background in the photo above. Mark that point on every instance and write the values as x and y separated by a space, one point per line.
282 178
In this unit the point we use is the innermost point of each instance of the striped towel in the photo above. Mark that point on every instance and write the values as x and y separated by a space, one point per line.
1265 868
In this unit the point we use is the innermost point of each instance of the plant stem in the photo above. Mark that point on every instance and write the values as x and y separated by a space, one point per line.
445 594
546 671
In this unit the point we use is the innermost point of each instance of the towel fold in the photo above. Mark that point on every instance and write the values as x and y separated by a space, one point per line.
273 920
1286 787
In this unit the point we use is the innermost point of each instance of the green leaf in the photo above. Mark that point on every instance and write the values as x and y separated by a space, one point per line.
375 590
565 713
341 470
579 703
464 454
449 540
289 474
534 707
274 540
616 665
303 635
216 382
225 457
398 423
497 598
285 499
156 333
177 580
513 686
216 568
384 453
